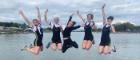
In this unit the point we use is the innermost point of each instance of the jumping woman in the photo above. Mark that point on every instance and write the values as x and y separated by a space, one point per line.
68 43
37 29
56 28
89 25
104 47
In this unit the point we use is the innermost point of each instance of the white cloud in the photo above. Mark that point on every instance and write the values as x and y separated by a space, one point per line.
9 19
72 2
32 2
134 7
122 10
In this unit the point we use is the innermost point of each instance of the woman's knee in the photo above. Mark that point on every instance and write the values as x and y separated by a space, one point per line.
84 44
53 46
106 49
59 46
89 44
100 49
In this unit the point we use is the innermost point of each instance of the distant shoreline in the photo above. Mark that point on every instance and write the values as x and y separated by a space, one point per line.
51 32
16 28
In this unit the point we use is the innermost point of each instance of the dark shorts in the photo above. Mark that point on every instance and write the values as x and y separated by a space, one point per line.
56 40
68 43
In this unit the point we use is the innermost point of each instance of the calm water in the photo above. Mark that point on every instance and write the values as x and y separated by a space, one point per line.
128 48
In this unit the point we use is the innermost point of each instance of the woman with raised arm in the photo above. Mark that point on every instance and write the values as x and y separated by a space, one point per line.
89 25
56 28
104 47
67 35
37 29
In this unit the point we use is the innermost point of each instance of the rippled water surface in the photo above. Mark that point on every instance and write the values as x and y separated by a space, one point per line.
127 44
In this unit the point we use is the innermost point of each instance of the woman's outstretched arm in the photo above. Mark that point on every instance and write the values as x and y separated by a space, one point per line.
80 16
70 18
103 14
94 26
38 14
113 29
46 16
25 18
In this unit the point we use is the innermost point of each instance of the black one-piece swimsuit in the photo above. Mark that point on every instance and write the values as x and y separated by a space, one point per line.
56 35
88 32
39 37
105 38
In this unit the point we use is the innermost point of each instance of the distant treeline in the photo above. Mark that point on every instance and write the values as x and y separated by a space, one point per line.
11 24
123 27
120 27
126 27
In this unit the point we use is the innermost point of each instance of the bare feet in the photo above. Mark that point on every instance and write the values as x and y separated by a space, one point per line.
24 48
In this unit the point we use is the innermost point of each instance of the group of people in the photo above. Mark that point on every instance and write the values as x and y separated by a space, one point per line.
56 42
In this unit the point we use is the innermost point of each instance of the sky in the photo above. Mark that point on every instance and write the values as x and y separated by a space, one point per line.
122 10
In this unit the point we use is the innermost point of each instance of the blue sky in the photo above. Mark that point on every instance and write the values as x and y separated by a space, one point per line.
122 10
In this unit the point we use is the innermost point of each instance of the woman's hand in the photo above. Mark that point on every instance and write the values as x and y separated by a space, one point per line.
103 6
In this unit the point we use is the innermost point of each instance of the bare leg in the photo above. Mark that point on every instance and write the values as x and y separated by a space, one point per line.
34 50
59 46
53 46
100 49
24 48
88 45
84 44
106 50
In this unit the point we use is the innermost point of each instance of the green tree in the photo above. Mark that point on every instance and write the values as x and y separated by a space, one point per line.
124 27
